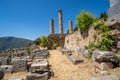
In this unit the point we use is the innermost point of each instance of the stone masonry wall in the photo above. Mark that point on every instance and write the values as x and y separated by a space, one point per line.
76 41
56 38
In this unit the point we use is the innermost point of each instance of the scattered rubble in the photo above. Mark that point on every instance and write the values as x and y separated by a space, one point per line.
7 68
19 60
1 74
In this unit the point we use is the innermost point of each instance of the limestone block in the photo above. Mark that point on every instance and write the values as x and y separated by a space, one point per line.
15 79
110 77
4 60
37 76
102 56
41 54
74 59
103 65
105 73
118 44
7 68
93 78
86 53
39 66
1 74
19 64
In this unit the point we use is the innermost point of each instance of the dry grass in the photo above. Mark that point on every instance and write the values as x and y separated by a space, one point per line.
64 69
16 75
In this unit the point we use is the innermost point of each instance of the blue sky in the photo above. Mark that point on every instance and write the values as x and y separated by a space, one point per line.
31 18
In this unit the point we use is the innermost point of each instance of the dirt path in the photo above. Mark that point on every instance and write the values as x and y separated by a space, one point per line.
64 70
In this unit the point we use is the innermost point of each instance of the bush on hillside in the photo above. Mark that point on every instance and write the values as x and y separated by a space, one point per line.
55 45
43 42
84 21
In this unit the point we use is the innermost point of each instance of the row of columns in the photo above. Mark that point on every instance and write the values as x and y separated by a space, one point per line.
60 24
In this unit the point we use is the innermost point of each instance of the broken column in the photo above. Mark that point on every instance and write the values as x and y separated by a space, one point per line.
60 22
51 26
70 26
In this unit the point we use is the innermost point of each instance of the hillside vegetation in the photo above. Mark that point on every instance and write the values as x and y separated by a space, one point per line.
13 42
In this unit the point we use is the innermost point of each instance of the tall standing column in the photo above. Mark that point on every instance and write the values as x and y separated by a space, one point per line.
51 26
60 22
70 26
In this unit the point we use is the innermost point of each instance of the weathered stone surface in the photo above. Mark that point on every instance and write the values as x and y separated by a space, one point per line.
103 73
114 11
115 23
60 22
40 54
1 74
70 27
56 38
7 68
93 78
86 53
103 56
39 65
77 40
51 26
37 76
19 64
15 79
104 65
110 77
118 44
73 59
107 77
4 60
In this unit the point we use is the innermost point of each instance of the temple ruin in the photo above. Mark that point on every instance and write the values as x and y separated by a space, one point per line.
58 38
60 21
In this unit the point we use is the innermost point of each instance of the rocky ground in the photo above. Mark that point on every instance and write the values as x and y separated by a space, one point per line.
64 70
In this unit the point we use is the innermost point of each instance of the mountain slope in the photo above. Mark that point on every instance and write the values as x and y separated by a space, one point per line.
13 42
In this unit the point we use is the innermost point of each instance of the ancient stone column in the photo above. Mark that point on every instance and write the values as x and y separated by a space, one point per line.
70 27
51 26
60 22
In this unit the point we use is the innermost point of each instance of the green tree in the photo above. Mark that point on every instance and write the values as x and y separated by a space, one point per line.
75 29
43 42
37 41
84 21
104 16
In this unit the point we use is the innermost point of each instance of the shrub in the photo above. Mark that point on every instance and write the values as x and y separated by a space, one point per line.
84 20
43 42
104 16
55 45
101 26
91 47
106 42
37 41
